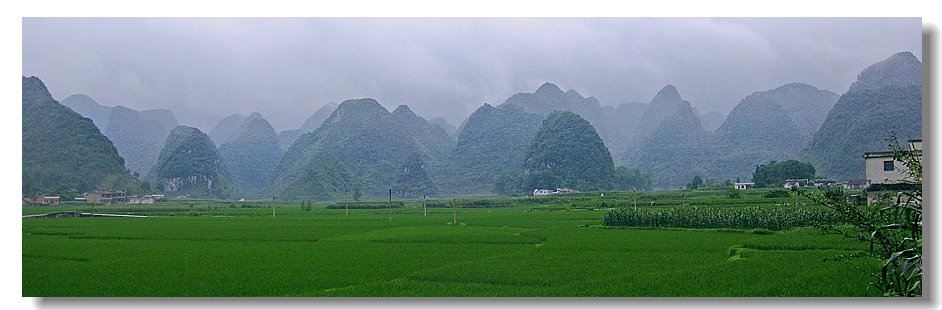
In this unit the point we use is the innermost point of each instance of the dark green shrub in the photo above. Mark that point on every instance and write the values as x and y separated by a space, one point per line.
778 193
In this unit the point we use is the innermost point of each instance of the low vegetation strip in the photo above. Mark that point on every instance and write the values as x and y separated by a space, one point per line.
471 203
671 203
772 218
367 205
445 234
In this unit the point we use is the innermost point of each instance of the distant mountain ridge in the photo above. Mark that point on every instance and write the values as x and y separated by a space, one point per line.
900 69
886 99
189 165
368 141
359 144
493 140
450 129
63 152
568 152
251 154
87 107
768 125
138 135
287 137
674 150
614 124
226 128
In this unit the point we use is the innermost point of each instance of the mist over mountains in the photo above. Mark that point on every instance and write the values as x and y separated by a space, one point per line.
287 137
138 135
251 154
548 138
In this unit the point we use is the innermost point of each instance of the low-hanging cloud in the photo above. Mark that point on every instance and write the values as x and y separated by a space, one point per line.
286 68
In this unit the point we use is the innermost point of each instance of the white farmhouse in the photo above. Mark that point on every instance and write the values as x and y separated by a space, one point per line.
744 185
886 174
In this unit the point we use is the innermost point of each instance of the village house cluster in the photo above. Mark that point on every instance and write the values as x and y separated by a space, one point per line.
887 178
852 184
547 192
105 197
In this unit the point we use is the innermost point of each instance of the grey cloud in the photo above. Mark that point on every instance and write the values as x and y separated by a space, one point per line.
205 69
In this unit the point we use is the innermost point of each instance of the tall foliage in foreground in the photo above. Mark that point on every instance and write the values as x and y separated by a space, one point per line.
894 232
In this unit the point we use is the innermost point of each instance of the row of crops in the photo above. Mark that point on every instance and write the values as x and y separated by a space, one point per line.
366 205
772 218
725 202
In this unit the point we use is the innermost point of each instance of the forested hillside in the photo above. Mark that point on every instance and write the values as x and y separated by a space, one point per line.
567 152
251 155
63 152
189 165
886 99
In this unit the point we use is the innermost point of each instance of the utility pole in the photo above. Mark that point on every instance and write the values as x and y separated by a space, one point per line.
273 209
424 208
389 205
346 206
454 211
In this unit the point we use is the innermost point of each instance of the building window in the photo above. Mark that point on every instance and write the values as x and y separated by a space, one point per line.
888 165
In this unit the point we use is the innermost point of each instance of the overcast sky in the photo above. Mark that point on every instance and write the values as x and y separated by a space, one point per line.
206 69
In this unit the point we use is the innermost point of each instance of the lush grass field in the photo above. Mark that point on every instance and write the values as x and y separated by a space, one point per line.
536 247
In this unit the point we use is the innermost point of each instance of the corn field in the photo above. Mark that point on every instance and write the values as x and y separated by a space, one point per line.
772 218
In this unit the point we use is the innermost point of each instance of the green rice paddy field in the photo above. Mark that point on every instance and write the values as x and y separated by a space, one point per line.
525 247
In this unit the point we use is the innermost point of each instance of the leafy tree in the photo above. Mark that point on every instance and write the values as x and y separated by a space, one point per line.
775 173
777 193
713 183
696 183
510 183
893 231
631 179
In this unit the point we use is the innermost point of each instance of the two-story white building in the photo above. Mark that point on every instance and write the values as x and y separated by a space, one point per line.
887 174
